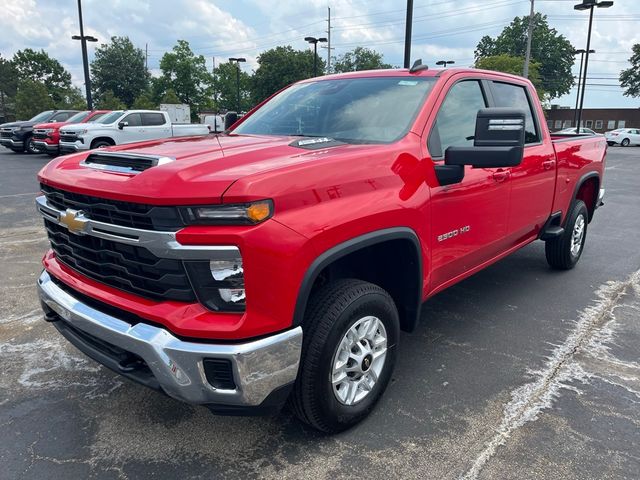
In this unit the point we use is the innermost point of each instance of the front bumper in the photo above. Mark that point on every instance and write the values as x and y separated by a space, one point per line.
45 147
11 143
262 369
71 147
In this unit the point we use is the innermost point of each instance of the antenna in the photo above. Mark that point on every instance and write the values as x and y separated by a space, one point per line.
417 66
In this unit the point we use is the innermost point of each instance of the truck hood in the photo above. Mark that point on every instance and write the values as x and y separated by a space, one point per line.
54 125
24 123
83 126
204 167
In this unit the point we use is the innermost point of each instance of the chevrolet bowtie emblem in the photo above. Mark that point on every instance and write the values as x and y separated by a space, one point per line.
74 220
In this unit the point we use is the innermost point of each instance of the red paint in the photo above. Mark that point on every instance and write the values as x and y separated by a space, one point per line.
325 197
53 138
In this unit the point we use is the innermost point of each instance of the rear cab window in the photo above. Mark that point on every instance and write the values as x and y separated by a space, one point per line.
153 119
516 96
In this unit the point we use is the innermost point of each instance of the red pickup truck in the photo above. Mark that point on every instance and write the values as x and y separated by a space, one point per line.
46 136
280 260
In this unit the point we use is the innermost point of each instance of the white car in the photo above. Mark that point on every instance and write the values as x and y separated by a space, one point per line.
572 131
124 126
623 136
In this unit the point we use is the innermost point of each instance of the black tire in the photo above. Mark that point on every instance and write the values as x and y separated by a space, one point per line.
29 146
559 250
332 311
611 144
625 142
101 144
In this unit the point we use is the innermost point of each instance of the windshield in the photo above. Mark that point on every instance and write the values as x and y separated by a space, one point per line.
353 110
96 117
111 117
78 117
41 117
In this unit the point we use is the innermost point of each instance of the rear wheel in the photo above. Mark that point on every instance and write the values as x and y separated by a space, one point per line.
564 251
348 354
625 142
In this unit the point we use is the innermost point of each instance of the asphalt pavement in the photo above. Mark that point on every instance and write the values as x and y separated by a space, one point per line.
517 372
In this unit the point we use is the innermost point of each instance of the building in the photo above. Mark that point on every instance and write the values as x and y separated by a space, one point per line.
599 119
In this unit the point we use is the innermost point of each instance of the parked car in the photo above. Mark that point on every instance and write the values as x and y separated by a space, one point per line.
18 136
124 126
46 136
572 131
623 136
281 260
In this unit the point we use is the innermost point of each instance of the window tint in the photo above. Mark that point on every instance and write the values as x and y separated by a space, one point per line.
60 117
515 96
153 119
78 117
456 121
133 119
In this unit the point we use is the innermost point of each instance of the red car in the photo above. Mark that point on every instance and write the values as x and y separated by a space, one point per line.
280 260
46 136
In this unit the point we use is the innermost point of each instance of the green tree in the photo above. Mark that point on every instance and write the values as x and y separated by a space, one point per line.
513 65
226 89
552 51
40 67
187 74
119 67
280 67
170 97
145 102
360 58
630 78
8 87
32 98
108 101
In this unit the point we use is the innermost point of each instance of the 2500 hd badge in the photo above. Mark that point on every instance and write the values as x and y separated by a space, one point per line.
454 233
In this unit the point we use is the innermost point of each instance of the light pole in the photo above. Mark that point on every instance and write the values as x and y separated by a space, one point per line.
581 51
314 41
407 34
444 63
85 61
238 60
588 5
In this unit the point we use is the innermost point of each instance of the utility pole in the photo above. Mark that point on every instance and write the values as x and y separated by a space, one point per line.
85 61
407 34
146 56
527 58
328 46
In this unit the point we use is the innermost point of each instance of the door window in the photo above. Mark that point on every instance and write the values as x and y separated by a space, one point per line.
133 119
60 117
456 121
515 96
153 119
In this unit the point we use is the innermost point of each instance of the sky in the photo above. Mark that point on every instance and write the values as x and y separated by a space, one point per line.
442 30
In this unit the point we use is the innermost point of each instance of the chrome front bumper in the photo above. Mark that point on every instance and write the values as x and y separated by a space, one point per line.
44 146
72 146
259 367
600 201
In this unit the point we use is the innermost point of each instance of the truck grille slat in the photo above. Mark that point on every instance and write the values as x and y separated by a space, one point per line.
134 215
127 267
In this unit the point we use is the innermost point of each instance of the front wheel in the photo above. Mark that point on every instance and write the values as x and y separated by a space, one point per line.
102 144
348 354
625 142
564 251
31 146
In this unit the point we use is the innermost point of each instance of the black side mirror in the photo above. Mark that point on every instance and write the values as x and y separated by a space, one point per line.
121 125
498 142
229 119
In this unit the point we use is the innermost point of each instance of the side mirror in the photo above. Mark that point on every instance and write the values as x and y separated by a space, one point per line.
498 142
229 119
121 125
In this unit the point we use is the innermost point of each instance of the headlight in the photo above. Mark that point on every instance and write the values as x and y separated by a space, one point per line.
49 130
219 283
238 214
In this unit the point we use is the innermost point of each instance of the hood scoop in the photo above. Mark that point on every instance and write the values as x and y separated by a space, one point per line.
120 162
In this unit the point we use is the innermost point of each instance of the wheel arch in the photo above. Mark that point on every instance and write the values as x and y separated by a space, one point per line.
346 260
103 138
587 190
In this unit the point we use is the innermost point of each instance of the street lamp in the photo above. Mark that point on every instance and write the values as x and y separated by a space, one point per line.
238 60
85 61
581 51
315 41
445 63
588 5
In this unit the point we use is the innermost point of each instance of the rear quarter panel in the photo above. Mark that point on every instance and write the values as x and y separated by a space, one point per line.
577 159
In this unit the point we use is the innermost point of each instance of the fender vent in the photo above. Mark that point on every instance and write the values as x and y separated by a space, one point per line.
121 162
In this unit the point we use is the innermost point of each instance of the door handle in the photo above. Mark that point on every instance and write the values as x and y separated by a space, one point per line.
549 164
501 175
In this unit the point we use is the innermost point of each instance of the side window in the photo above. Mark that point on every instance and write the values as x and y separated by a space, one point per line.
456 121
60 117
515 96
133 119
153 119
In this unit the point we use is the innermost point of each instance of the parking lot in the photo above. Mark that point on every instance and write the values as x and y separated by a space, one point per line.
518 372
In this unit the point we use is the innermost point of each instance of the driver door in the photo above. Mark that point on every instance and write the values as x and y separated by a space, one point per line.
468 219
134 131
